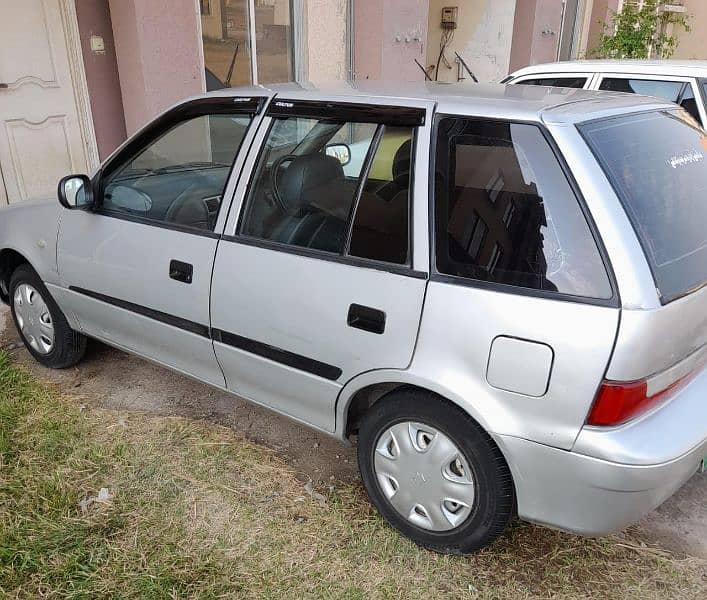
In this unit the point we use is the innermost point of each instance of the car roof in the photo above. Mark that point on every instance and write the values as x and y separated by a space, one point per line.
529 103
684 68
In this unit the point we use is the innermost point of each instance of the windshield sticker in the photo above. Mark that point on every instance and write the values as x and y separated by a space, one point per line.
688 158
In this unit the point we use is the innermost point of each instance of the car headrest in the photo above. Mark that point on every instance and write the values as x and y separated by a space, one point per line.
306 177
402 161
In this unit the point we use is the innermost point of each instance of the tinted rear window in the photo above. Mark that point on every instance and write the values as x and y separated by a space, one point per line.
657 163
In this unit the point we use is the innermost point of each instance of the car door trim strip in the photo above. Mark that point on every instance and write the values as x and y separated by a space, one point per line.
180 323
290 359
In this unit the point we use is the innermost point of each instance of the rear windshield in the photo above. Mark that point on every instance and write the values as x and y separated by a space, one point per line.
657 163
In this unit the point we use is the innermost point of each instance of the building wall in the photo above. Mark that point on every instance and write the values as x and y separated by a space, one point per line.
523 26
598 13
101 75
692 44
368 33
159 54
483 38
325 48
388 37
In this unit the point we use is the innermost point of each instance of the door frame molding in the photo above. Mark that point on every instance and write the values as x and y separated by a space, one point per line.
79 83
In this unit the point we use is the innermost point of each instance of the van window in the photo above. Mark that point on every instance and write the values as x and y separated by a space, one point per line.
505 212
567 82
657 163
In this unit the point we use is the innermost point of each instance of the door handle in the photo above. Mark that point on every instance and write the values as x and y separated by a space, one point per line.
366 318
181 271
4 86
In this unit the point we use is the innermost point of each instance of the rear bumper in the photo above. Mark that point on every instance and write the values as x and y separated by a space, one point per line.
587 495
612 476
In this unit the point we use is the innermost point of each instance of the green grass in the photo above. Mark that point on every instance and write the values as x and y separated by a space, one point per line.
200 512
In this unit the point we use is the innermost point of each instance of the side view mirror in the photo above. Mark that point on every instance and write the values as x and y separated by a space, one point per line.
75 191
341 152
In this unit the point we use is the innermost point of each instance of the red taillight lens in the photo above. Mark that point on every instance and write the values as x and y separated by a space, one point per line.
618 402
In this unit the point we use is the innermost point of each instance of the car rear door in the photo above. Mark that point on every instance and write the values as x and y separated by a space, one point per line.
136 272
318 277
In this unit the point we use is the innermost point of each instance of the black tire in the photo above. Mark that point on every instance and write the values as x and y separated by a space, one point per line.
69 345
494 502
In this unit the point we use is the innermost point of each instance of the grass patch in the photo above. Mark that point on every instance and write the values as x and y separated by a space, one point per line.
197 511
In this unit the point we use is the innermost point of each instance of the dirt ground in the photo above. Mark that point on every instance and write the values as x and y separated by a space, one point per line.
116 380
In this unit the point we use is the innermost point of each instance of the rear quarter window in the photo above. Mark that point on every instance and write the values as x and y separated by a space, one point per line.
506 214
657 163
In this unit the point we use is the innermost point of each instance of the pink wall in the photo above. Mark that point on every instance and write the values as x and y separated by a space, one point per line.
536 32
523 25
159 55
377 26
101 75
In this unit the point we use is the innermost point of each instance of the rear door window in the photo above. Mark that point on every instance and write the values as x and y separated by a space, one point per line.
567 82
506 214
657 163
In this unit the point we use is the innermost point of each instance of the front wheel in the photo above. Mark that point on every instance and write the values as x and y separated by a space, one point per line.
43 327
434 473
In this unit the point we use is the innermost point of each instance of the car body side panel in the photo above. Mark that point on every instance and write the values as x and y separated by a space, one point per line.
651 341
299 305
459 325
129 262
31 230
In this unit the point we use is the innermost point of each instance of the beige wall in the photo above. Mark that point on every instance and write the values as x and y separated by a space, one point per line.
325 39
483 37
693 44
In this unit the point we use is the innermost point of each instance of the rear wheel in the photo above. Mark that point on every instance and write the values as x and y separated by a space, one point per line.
434 473
43 327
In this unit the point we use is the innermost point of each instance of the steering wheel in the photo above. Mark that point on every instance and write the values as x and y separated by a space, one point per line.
274 176
190 208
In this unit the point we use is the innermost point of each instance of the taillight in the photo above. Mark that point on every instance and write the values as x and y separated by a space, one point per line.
617 402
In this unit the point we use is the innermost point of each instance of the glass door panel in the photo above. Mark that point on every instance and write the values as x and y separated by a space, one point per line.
226 40
273 36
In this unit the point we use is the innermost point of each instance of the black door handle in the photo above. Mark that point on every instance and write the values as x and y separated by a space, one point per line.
366 318
181 271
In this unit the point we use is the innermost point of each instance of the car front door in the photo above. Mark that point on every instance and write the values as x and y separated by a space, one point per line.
318 278
136 271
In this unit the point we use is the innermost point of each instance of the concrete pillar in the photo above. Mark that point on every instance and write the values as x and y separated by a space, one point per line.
159 54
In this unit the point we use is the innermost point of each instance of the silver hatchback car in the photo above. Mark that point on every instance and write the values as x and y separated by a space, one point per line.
500 290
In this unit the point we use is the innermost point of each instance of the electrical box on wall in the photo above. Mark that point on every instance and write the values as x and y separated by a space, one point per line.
449 17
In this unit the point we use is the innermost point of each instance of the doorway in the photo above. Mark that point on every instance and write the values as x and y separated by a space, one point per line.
46 130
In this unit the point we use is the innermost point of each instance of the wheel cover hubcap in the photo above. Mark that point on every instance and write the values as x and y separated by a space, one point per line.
34 319
424 476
